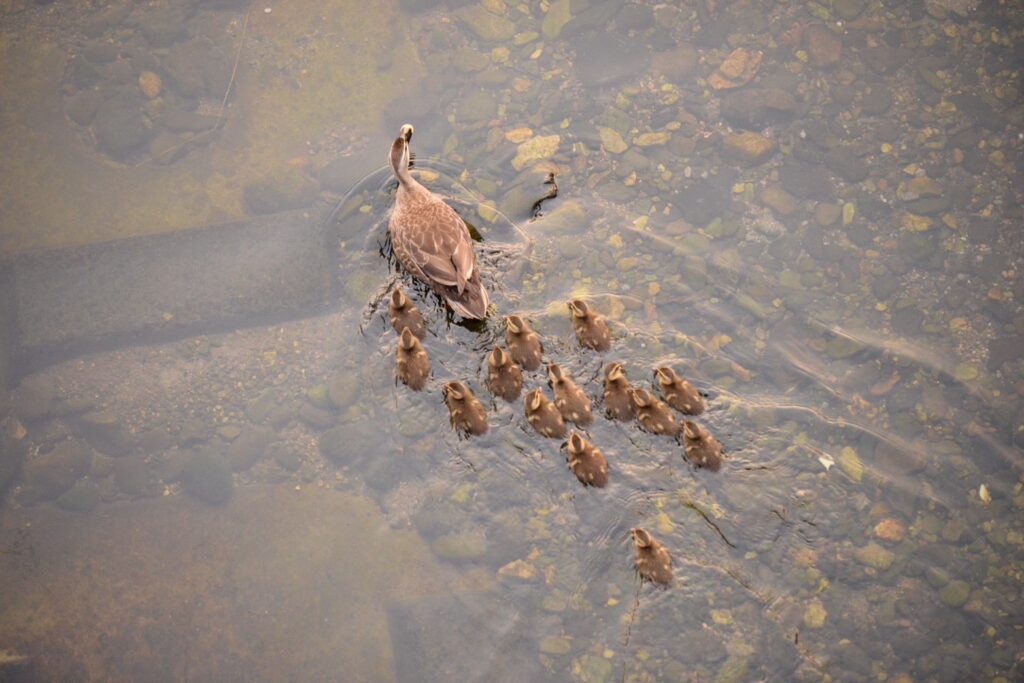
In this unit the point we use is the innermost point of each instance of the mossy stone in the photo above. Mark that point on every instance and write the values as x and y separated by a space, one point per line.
955 593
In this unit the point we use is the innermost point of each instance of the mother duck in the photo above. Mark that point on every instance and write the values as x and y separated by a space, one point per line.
431 241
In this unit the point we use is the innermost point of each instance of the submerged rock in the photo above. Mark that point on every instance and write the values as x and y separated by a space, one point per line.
50 474
207 477
604 59
102 430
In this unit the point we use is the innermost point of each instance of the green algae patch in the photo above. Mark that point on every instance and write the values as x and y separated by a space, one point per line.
281 584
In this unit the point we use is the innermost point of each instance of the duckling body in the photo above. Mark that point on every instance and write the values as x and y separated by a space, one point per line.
412 361
465 410
543 416
586 461
679 393
652 414
570 400
524 344
618 403
591 329
653 561
404 314
504 376
702 449
431 240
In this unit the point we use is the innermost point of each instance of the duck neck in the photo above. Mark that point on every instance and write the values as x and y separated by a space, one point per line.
400 164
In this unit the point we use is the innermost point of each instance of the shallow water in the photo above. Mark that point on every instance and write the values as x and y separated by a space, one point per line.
842 282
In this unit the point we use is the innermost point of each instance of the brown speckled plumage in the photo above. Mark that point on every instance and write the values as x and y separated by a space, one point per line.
586 461
653 561
504 376
411 361
618 403
465 410
591 329
702 449
542 415
652 414
404 314
570 400
431 240
679 393
524 344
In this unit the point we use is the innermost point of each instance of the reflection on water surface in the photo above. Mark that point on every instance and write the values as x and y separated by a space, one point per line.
808 210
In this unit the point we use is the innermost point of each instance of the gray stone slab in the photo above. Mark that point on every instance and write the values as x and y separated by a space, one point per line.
66 301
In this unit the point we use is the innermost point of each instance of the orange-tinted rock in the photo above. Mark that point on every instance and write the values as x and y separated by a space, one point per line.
891 530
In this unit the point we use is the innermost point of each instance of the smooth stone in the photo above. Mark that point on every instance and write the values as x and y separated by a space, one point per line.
558 15
874 555
120 126
460 547
187 121
846 165
82 107
84 496
758 108
206 477
132 475
102 430
780 201
486 25
748 148
605 59
955 593
805 181
48 475
556 645
317 418
703 200
827 213
259 408
343 388
249 448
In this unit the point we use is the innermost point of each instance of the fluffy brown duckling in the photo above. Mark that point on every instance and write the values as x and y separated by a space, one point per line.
586 461
543 416
618 403
702 449
412 361
653 561
652 414
504 376
679 393
405 314
524 344
591 329
570 400
465 410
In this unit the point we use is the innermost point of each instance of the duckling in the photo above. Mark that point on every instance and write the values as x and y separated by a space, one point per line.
653 561
652 414
542 415
465 410
591 329
618 404
702 449
679 393
524 344
504 376
586 461
412 361
570 400
405 314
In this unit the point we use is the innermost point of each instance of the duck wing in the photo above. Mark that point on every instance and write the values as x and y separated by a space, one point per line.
441 248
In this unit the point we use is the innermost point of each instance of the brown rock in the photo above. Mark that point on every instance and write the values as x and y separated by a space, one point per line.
737 69
823 47
675 64
891 530
748 148
51 474
780 201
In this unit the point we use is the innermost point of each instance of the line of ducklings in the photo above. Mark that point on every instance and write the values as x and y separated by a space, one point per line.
548 417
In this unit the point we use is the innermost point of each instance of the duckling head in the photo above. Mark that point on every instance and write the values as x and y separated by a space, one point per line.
641 537
692 430
666 376
641 397
406 132
407 341
498 358
533 400
579 308
614 372
515 324
398 299
575 443
455 390
555 375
